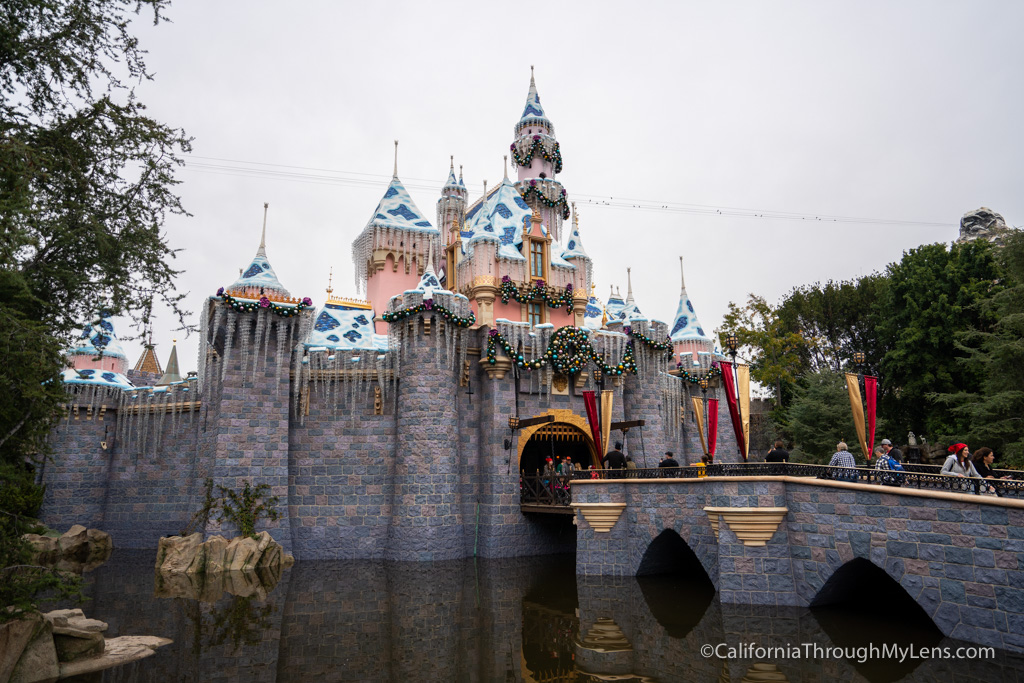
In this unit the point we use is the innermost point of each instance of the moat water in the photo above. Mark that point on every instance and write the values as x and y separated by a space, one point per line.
525 619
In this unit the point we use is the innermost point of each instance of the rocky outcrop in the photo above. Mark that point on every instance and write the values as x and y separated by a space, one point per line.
78 549
190 555
40 648
983 224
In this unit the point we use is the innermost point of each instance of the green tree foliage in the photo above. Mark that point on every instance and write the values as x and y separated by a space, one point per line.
86 180
933 293
245 508
836 319
773 351
993 411
819 417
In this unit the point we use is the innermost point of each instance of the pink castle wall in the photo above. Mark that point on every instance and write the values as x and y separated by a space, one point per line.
384 284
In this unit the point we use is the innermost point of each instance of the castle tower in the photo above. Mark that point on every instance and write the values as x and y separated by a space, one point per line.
451 215
251 331
99 348
693 348
390 253
575 254
536 153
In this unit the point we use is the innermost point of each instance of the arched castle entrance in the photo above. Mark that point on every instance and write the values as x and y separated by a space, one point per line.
568 436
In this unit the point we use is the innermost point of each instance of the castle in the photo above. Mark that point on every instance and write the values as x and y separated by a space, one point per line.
383 424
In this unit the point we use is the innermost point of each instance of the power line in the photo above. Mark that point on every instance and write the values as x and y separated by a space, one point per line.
325 176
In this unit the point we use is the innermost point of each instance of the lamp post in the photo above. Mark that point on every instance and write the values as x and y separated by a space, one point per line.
703 384
732 343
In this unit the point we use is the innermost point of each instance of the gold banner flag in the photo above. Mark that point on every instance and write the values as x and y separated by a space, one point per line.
698 410
853 388
743 389
606 418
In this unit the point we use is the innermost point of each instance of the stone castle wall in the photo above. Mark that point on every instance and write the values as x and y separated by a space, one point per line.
429 479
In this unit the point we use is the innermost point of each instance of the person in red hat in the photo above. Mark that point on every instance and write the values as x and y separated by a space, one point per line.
959 463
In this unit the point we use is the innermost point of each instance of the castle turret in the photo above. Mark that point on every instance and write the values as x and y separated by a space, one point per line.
172 374
451 215
693 348
390 253
536 152
575 254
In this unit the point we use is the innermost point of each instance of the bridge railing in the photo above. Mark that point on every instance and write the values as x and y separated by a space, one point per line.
930 480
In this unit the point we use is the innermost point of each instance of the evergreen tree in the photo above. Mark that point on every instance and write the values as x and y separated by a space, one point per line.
933 294
819 417
993 409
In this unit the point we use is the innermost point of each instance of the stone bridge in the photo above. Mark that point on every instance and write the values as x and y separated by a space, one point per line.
790 540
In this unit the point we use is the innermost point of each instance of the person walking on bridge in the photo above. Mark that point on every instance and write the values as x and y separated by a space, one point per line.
614 460
843 458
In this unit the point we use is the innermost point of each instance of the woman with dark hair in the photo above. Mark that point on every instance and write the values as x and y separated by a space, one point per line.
959 463
983 459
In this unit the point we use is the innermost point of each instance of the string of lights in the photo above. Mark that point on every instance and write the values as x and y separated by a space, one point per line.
324 176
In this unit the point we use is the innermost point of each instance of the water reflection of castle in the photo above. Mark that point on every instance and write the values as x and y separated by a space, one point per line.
381 423
493 620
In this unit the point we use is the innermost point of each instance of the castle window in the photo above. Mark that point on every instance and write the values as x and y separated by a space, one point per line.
537 259
535 314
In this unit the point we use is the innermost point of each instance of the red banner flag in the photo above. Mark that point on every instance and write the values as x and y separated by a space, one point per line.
729 383
871 395
712 425
590 403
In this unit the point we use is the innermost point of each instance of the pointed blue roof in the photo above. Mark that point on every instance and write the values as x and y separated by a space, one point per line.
685 325
259 275
452 180
614 306
533 112
574 247
398 211
99 338
593 314
500 217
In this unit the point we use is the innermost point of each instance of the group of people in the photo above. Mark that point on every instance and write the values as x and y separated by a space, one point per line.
889 458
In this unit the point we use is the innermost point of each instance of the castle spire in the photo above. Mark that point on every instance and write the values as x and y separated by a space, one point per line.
506 166
685 325
394 176
533 112
262 251
171 374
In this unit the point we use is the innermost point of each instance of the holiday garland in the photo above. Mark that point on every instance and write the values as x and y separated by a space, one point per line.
536 292
534 191
696 377
569 353
665 346
264 302
554 157
429 305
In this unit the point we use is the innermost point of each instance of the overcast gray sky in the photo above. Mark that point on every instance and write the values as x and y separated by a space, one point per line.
906 111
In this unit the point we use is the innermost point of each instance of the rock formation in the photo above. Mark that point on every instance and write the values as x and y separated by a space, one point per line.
41 648
77 550
190 555
983 224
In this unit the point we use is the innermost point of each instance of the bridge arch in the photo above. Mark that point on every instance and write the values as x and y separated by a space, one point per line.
567 425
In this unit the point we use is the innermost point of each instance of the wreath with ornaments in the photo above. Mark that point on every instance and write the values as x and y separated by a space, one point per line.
533 191
569 352
536 291
249 306
538 146
428 306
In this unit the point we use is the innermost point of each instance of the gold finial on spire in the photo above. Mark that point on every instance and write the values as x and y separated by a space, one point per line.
330 278
575 217
395 175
